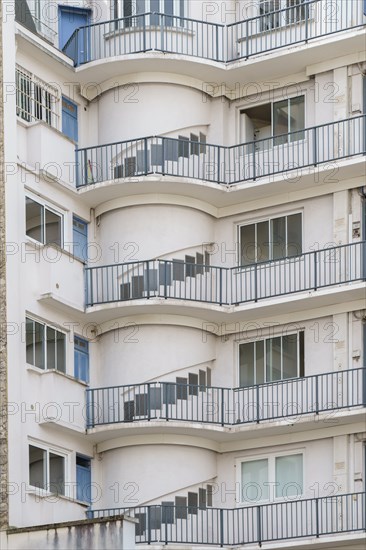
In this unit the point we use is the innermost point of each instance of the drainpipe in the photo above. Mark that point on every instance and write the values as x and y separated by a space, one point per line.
4 509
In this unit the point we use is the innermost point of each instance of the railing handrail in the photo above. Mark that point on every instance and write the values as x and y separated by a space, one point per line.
233 389
227 147
252 266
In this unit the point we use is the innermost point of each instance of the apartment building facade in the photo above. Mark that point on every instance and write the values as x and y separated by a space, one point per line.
185 271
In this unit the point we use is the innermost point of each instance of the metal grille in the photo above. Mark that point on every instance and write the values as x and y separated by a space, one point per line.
36 100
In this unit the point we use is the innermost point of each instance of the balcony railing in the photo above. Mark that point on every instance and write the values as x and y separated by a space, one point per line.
255 524
219 164
222 285
292 397
222 43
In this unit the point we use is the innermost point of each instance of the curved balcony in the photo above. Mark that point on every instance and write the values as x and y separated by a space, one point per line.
340 514
170 34
219 164
230 286
293 397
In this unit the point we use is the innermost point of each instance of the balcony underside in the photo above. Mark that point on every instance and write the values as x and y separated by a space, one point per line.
320 179
266 308
221 435
333 542
273 64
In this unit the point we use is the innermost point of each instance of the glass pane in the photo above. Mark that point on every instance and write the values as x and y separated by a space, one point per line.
51 348
52 228
294 235
248 244
259 362
278 236
29 333
246 365
57 474
280 120
37 467
289 476
34 343
289 354
262 241
273 359
297 117
60 353
34 220
254 474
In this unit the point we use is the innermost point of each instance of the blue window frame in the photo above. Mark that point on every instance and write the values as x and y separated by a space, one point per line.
80 238
70 119
81 359
83 478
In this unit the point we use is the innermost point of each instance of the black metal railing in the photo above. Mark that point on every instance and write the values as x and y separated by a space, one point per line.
220 164
291 397
289 519
175 279
300 23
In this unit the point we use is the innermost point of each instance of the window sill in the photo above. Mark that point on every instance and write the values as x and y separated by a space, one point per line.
38 245
43 493
150 30
41 372
35 123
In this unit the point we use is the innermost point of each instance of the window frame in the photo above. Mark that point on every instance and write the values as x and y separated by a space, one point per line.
300 363
50 449
269 220
271 461
180 9
45 207
86 354
45 326
289 131
243 109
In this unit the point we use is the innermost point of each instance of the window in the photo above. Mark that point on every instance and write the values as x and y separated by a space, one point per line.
45 346
81 359
46 470
80 238
130 8
270 478
278 13
262 122
70 119
35 99
42 224
83 478
289 118
271 239
277 358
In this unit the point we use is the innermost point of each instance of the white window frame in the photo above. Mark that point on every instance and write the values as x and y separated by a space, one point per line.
281 19
54 449
280 335
52 209
117 8
269 219
45 108
45 327
288 99
271 458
